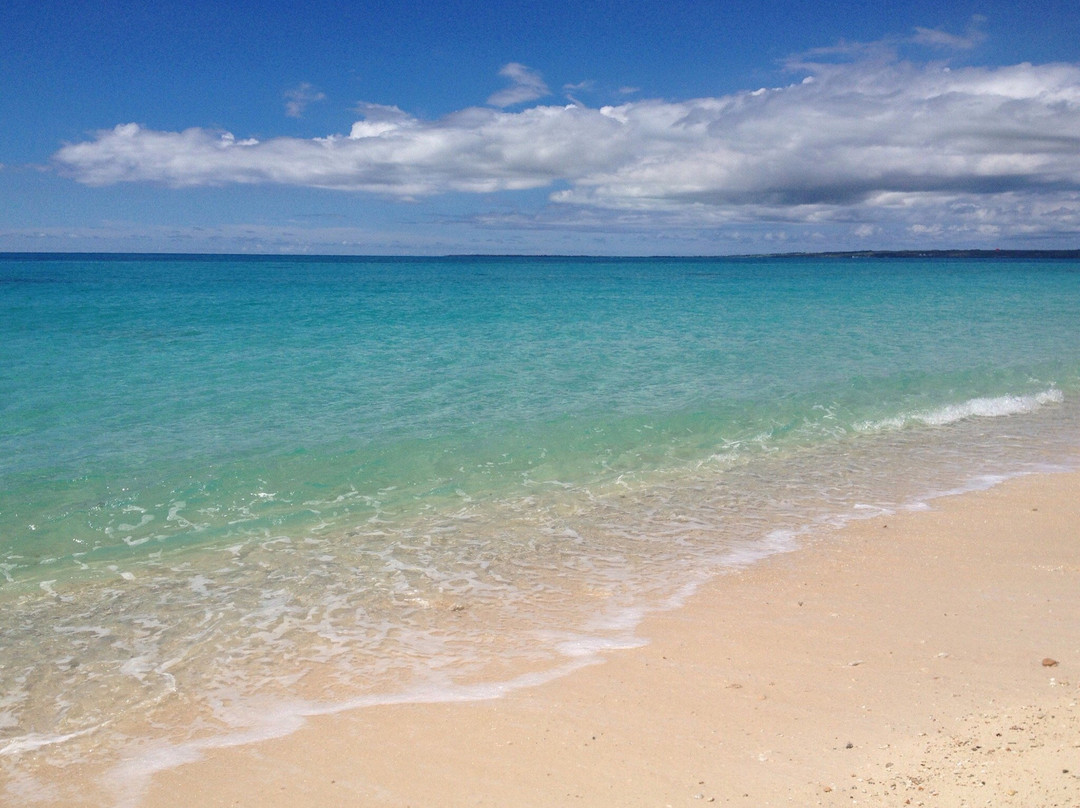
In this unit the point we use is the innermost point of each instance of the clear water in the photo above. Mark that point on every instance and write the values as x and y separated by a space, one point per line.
235 491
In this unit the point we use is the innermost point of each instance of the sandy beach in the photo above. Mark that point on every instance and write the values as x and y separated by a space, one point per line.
919 658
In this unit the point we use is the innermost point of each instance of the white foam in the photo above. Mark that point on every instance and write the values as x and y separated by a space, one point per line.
174 514
990 407
264 722
199 584
996 407
589 647
979 482
37 740
144 520
775 542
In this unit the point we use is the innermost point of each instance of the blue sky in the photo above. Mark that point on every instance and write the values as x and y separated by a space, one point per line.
547 127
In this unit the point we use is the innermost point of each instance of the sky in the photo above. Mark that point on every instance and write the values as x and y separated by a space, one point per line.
658 127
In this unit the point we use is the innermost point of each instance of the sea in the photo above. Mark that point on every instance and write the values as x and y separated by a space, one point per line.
238 491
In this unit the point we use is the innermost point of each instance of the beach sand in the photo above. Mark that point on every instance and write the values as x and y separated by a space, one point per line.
905 660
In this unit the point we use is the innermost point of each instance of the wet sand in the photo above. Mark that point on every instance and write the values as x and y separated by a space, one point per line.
927 658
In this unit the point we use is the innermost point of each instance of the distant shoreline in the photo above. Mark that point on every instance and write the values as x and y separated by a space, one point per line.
931 254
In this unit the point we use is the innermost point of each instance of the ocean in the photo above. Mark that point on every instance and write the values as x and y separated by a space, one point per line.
236 491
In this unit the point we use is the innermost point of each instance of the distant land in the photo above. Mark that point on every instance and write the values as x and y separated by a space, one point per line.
930 254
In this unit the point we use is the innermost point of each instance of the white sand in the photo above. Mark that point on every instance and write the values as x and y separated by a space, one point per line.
900 662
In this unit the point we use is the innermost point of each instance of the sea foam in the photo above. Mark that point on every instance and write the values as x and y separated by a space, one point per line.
995 407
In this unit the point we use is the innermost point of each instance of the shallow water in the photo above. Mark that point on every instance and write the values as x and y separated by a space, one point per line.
240 490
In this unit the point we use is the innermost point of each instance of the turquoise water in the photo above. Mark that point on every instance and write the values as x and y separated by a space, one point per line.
248 489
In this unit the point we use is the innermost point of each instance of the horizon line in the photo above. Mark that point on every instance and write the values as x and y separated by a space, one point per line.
901 253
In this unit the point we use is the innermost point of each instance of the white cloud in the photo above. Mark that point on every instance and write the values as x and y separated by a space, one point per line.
478 150
863 142
935 38
297 99
942 39
526 85
890 47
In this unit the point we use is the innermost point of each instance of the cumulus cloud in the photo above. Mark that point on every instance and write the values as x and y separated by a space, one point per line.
525 85
297 99
857 141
